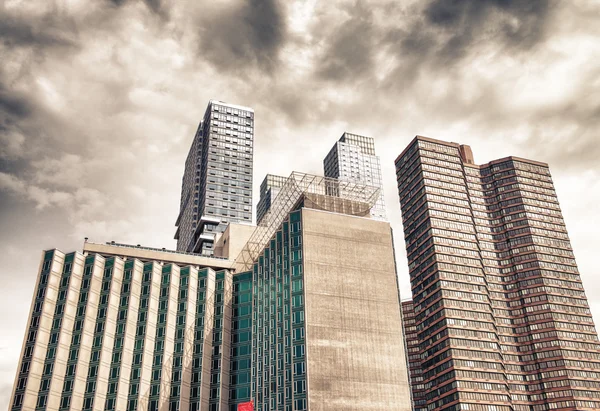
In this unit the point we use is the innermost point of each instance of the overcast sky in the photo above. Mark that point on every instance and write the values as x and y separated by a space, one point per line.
99 101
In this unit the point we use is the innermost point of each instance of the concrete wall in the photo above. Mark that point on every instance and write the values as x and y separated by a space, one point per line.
233 239
355 345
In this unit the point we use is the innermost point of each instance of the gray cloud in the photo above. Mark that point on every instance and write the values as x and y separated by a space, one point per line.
42 31
12 104
441 35
463 22
238 37
566 135
433 35
349 53
156 6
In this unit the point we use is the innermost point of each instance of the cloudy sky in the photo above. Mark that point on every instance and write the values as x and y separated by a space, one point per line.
99 101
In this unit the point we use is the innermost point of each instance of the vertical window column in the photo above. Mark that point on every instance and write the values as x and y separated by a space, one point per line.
27 384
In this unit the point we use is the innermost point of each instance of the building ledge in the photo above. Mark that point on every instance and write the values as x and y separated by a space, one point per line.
156 254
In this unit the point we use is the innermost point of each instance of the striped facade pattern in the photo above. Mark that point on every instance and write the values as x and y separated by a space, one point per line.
110 334
500 311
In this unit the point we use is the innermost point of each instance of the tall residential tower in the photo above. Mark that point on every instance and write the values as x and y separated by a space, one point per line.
353 158
217 181
500 312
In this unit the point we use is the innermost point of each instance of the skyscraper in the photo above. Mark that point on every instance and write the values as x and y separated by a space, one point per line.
269 189
352 158
500 311
413 354
306 317
217 181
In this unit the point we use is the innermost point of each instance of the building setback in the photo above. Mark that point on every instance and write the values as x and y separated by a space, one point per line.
353 158
500 311
217 181
303 324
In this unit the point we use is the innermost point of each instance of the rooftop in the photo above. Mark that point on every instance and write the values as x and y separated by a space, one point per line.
156 254
356 198
458 146
222 103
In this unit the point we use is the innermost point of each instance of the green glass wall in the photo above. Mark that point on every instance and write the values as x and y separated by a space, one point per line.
177 366
241 341
159 340
31 336
90 387
278 346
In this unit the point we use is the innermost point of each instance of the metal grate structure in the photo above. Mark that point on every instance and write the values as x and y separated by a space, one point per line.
320 192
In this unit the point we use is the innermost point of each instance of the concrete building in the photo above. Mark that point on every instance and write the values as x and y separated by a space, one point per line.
217 182
499 308
125 328
352 158
295 322
328 326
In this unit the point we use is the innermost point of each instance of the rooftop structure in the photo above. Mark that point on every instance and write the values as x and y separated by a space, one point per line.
311 191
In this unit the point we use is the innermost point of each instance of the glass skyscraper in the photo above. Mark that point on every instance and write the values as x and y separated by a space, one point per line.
217 181
269 189
353 158
501 317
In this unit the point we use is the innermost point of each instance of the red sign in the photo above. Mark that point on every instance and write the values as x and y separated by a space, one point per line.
246 406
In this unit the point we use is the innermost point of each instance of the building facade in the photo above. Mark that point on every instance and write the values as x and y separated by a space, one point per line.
269 189
413 354
125 328
499 308
217 181
302 325
352 158
328 344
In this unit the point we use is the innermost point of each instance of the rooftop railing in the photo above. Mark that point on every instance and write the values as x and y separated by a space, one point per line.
297 185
